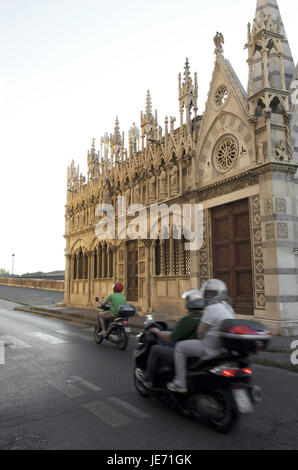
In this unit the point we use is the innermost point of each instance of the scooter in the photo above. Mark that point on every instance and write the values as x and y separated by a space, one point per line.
118 331
220 391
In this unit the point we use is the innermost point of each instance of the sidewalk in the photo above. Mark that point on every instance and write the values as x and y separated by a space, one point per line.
278 354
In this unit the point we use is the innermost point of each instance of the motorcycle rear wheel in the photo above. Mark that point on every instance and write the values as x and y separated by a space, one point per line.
98 339
228 419
123 339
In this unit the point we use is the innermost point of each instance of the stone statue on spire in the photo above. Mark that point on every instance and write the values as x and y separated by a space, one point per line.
218 41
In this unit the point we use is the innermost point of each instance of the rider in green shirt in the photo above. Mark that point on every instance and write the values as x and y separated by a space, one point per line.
116 300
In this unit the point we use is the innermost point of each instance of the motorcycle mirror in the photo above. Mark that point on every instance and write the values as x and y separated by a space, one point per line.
149 319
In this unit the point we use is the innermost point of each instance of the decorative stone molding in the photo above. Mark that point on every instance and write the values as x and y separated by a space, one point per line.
142 252
281 152
280 206
270 232
142 268
282 231
268 206
205 257
257 253
221 96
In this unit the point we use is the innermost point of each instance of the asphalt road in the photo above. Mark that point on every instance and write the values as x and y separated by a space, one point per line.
32 297
59 390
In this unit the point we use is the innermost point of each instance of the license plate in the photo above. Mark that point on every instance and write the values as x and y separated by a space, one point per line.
243 401
127 330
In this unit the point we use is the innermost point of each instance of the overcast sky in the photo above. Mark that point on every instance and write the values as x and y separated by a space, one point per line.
68 68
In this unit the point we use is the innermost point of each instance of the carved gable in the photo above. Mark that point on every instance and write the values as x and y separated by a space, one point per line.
225 144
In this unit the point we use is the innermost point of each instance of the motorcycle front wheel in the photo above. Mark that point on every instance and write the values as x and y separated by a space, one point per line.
138 384
98 339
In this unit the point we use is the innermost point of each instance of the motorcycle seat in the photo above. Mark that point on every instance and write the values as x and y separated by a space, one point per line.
195 363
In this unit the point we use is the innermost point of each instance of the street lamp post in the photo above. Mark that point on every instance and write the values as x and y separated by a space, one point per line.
13 256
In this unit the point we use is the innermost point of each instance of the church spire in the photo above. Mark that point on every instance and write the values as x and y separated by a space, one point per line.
188 96
267 36
271 71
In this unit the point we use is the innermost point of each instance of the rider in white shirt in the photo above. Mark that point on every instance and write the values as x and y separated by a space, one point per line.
208 345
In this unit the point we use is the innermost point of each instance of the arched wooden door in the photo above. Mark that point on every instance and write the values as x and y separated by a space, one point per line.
231 251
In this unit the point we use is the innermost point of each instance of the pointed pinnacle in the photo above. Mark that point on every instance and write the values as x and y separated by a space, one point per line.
148 104
187 70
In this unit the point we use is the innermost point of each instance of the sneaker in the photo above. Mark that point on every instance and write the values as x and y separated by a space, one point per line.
176 388
140 377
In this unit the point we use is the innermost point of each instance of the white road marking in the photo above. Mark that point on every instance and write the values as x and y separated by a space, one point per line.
2 353
14 343
107 414
66 388
48 338
74 334
85 383
128 407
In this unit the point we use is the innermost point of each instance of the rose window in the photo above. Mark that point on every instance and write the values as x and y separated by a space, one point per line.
221 96
225 153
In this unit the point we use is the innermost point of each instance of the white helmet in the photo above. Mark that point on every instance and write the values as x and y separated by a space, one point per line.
218 288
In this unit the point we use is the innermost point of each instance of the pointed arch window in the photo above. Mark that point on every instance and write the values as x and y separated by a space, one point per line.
95 264
157 254
75 266
80 265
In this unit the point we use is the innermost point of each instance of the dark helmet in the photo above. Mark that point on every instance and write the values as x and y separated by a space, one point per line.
118 287
194 300
214 291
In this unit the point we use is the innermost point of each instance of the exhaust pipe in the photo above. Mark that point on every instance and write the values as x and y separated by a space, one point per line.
114 338
256 394
207 407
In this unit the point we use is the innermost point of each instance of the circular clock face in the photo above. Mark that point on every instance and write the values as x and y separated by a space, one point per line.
221 96
225 153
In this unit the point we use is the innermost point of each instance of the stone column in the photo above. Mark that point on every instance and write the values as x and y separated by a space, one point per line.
148 244
115 251
67 279
98 263
89 274
180 179
103 248
162 258
171 256
278 202
78 265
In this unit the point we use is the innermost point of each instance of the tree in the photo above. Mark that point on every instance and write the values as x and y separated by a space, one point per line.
4 273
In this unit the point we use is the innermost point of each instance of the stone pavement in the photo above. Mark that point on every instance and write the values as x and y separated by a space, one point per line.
279 354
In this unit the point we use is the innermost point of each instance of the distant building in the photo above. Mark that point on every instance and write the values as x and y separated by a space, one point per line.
238 159
54 276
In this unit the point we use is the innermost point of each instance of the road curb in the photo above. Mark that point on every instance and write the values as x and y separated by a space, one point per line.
276 364
15 302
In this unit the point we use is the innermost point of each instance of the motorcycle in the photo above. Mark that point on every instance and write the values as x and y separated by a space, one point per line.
118 331
219 390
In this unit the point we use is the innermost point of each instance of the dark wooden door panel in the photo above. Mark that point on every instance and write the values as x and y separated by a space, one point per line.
232 253
132 271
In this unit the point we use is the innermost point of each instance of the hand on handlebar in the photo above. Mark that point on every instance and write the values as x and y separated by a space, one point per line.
155 331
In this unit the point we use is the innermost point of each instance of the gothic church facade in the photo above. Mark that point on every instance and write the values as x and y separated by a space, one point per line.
239 160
